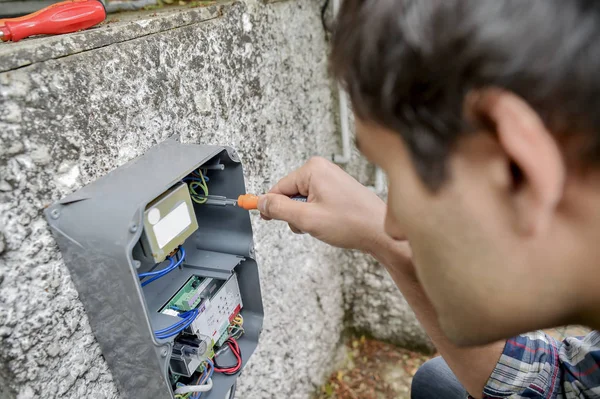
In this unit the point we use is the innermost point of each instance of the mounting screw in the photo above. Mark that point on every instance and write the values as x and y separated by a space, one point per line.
54 213
164 352
133 228
232 154
137 264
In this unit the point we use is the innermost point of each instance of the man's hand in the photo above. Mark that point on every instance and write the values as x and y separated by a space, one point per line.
344 213
340 211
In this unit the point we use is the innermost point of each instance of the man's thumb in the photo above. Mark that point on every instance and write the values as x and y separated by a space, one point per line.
280 207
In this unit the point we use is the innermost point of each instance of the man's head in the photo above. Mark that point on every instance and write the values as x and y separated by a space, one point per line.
486 117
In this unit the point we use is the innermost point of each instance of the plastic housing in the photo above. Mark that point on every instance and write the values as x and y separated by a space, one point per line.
98 230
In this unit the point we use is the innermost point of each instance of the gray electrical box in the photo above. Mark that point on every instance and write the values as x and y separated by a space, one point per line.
165 277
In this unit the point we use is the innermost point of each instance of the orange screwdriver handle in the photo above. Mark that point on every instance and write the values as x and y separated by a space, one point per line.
250 201
65 17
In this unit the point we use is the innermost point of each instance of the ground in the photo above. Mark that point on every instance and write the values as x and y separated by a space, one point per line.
378 370
373 370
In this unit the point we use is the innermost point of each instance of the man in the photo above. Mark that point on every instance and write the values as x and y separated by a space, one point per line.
485 115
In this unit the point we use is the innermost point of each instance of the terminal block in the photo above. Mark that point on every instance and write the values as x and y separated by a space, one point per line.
168 278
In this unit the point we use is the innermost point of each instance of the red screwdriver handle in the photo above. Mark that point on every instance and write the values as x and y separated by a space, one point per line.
64 17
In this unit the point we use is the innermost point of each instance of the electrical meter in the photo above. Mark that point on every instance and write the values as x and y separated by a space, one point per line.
167 277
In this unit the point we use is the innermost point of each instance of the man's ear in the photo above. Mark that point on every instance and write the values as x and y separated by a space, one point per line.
536 162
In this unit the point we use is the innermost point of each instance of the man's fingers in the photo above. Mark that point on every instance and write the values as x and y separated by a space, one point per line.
295 230
280 207
298 181
291 184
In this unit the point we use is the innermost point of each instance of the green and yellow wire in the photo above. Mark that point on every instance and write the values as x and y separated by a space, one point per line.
199 198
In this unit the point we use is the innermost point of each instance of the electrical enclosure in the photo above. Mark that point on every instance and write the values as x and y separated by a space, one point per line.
102 231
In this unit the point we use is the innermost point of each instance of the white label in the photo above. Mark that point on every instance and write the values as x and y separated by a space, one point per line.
154 216
172 225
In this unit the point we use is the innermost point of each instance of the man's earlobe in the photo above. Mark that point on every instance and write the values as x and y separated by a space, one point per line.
535 160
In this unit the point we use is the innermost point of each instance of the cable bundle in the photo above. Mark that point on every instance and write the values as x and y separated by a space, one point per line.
158 274
203 384
235 329
188 318
235 349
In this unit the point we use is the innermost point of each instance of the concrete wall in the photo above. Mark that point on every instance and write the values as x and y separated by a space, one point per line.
373 304
72 108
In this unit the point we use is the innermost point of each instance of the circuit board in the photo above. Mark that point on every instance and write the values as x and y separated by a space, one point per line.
223 337
192 293
220 310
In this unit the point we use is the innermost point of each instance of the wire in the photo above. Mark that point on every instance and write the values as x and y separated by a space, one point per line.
184 315
194 178
238 320
177 327
188 318
235 349
201 182
158 274
235 329
195 388
148 274
207 375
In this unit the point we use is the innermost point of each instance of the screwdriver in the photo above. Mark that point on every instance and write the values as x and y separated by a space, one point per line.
244 201
65 17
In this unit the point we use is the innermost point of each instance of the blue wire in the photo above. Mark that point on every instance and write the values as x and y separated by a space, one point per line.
177 327
158 274
170 267
198 394
194 178
148 274
184 315
176 331
212 368
212 371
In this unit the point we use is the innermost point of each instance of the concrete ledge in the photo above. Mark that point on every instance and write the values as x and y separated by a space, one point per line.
117 28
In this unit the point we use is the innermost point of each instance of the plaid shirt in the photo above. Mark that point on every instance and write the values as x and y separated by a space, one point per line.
536 365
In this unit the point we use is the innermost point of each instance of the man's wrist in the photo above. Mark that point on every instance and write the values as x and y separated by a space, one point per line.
393 254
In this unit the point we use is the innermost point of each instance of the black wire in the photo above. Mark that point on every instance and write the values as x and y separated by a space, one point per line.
232 390
238 364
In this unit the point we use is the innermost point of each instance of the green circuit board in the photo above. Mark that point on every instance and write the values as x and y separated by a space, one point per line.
190 295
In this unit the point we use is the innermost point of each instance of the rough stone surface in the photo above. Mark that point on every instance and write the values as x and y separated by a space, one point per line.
254 78
115 29
374 305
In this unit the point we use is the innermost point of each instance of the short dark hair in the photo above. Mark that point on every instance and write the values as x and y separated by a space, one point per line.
408 65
